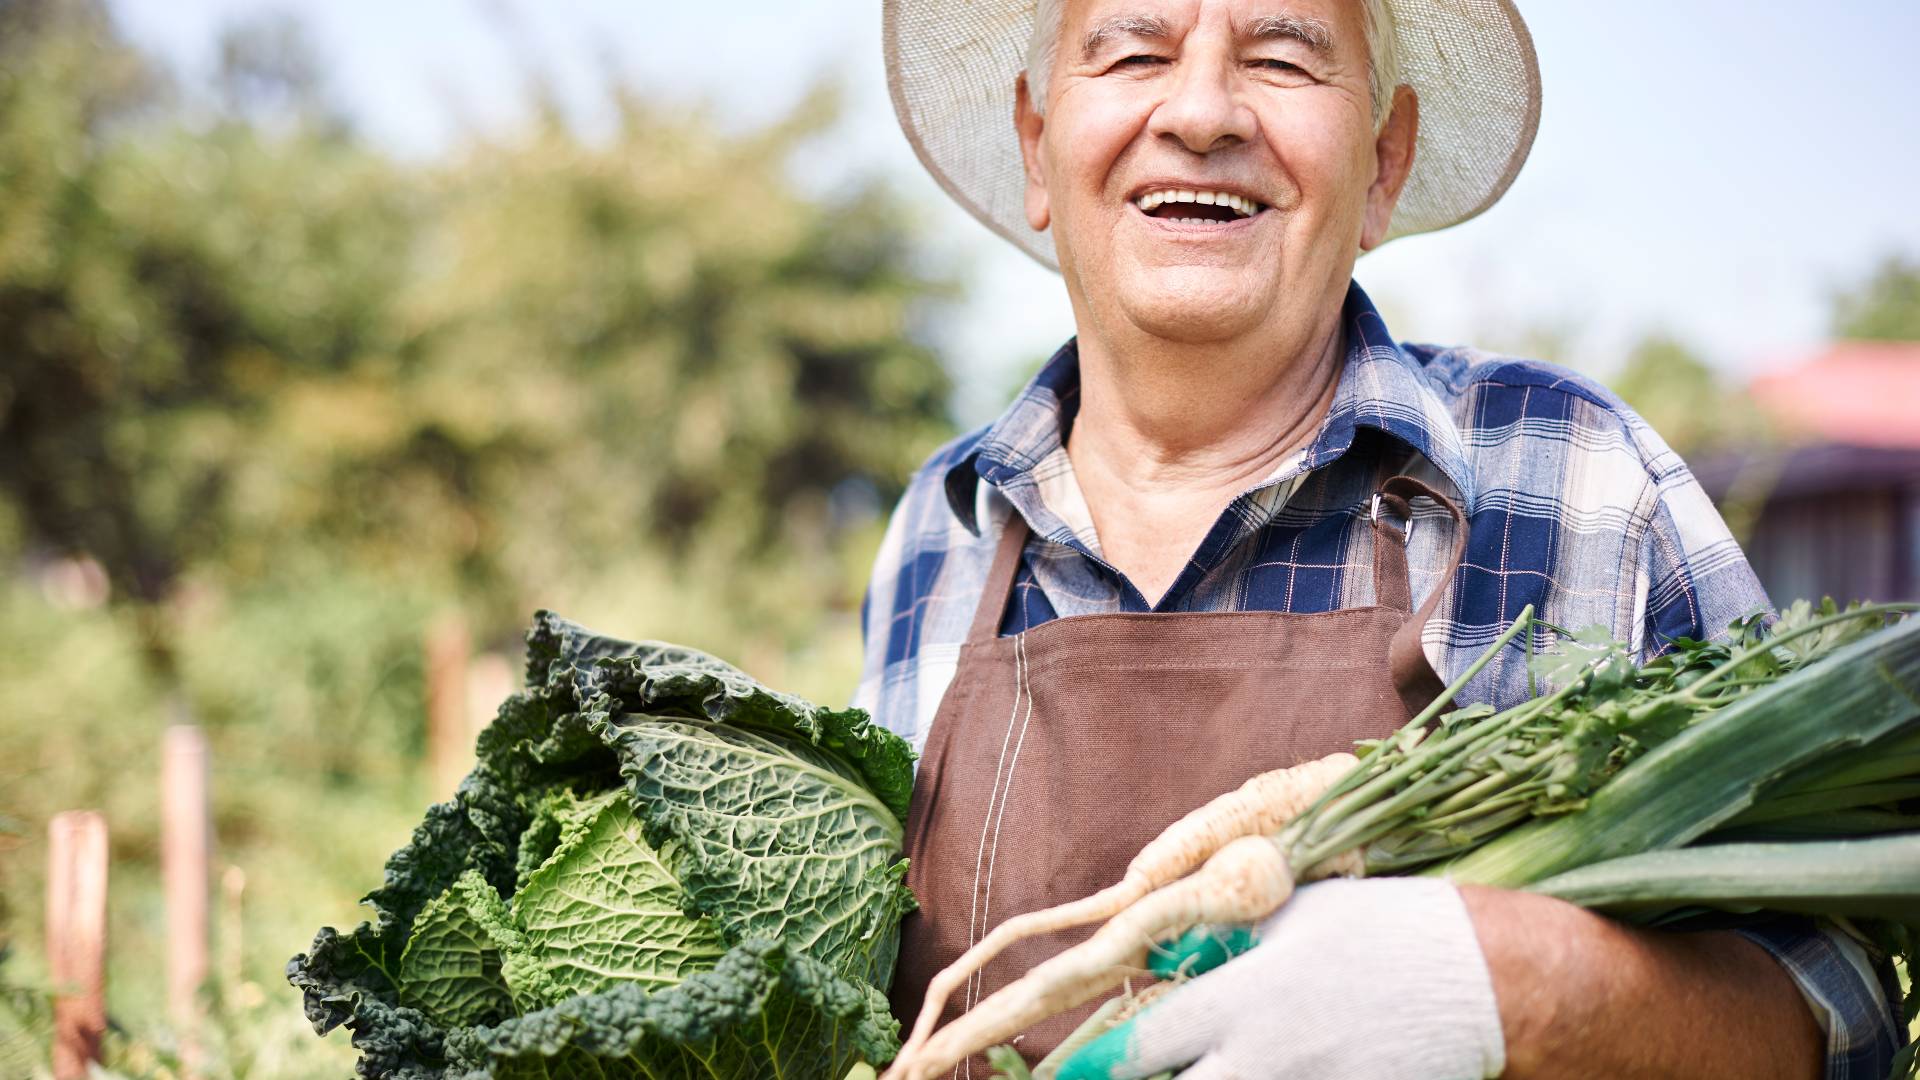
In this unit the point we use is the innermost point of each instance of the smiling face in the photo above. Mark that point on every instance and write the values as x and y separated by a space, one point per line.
1211 168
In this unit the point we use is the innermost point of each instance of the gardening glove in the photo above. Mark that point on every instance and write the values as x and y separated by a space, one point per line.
1374 980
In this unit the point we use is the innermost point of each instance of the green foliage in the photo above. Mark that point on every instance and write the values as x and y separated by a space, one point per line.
1007 1064
1721 730
1476 788
1877 877
452 965
764 1011
152 289
83 728
1641 786
652 853
1684 400
1885 307
754 853
24 1022
252 350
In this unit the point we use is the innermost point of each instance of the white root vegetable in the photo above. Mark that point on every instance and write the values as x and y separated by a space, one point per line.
1243 881
1259 807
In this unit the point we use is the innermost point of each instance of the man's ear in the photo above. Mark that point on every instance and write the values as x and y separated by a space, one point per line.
1029 123
1393 151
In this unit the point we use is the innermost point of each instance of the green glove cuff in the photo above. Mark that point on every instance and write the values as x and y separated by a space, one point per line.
1200 950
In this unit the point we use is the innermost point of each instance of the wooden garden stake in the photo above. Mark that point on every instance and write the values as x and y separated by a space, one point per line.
233 952
77 938
447 649
490 679
186 837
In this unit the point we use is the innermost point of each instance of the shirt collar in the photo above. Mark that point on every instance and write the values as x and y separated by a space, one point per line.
1381 387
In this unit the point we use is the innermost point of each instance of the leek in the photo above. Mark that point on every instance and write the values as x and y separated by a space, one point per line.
1873 878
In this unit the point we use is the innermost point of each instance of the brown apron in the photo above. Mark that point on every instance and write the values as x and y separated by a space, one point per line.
1057 753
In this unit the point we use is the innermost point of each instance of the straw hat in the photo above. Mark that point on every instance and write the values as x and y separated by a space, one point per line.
951 66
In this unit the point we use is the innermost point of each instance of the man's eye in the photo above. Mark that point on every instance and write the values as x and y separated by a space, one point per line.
1140 60
1277 65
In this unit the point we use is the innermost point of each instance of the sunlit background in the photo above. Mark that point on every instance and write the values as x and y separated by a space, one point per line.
336 338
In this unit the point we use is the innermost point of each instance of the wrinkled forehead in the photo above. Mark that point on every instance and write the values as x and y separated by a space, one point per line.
1325 25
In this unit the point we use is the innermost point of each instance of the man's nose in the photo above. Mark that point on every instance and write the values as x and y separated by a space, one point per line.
1202 110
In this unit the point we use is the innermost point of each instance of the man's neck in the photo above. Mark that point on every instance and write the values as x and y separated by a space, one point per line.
1168 434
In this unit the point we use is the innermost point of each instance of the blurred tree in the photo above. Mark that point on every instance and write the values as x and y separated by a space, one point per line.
1683 399
1886 306
147 306
269 72
732 353
29 20
121 80
262 349
1554 339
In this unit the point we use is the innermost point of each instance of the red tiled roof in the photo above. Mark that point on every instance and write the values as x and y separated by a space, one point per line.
1864 393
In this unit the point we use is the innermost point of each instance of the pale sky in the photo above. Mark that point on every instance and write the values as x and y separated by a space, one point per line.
1713 168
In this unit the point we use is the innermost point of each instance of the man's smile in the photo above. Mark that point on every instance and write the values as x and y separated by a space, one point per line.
1195 210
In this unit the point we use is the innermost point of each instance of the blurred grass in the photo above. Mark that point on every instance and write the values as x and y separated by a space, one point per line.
83 730
312 701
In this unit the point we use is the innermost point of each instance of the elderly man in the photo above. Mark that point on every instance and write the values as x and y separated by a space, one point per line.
1233 525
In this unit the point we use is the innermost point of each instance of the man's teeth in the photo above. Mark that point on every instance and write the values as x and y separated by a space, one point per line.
1240 206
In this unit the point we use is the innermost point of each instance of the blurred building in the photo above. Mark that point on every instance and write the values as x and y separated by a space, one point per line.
1835 509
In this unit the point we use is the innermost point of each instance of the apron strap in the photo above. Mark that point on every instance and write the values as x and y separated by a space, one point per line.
1392 585
997 593
1413 674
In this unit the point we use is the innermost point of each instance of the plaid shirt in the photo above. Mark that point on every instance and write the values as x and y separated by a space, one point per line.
1574 505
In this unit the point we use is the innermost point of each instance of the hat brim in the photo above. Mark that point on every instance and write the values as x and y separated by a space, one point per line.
951 66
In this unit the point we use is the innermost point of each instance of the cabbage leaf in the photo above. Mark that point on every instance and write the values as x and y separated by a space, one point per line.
764 1010
652 854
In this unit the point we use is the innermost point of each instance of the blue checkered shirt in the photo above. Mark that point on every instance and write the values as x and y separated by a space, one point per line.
1574 506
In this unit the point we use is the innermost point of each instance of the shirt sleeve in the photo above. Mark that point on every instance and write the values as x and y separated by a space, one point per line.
879 614
906 594
1694 579
1850 1000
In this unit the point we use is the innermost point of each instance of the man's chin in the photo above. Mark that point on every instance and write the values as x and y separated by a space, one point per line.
1193 304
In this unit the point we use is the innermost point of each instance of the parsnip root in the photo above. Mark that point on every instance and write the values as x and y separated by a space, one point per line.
1258 807
1243 881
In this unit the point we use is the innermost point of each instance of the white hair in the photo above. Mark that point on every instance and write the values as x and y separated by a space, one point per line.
1043 48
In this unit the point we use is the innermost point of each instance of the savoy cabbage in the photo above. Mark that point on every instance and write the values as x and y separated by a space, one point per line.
657 868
